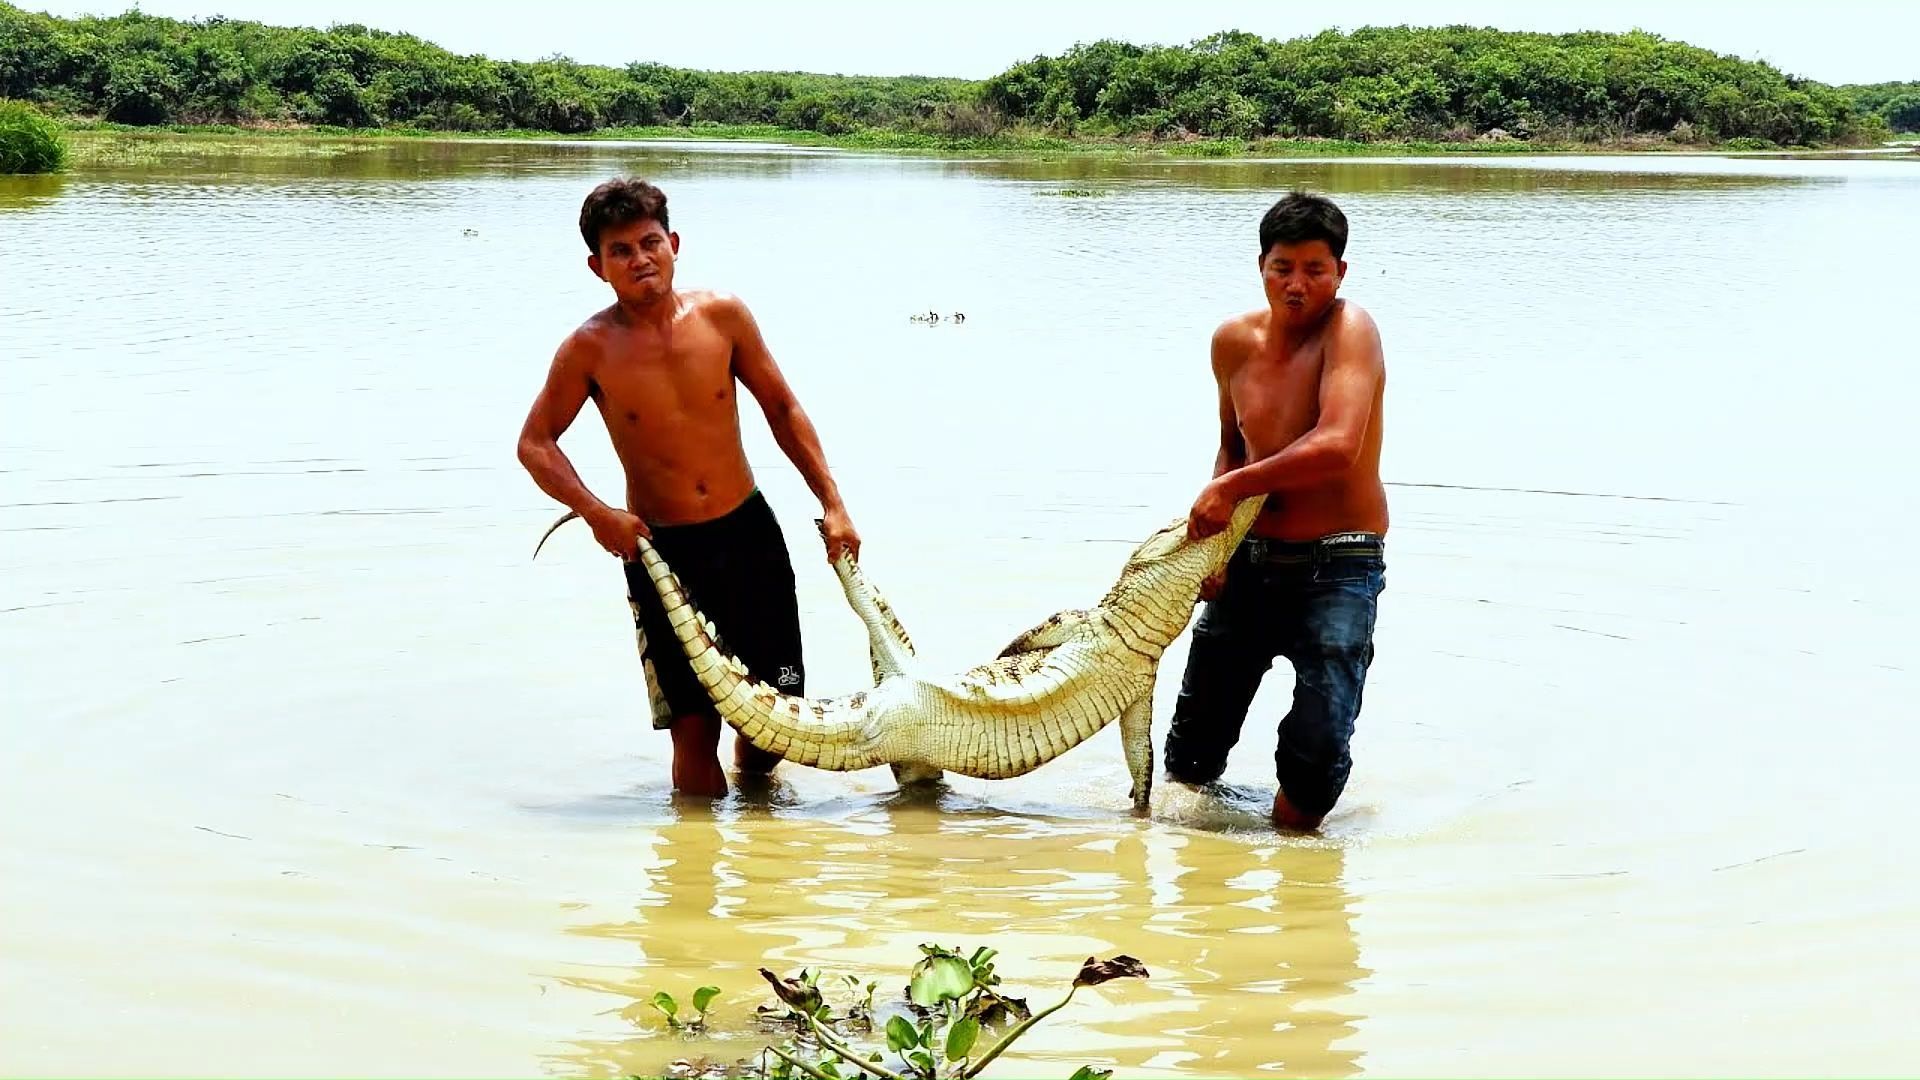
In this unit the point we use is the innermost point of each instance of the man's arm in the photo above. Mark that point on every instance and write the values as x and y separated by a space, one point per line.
1349 381
753 365
554 409
1227 352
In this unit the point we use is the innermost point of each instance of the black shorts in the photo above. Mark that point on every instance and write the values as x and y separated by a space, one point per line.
740 576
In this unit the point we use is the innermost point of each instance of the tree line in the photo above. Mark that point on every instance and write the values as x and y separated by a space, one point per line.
1446 83
141 69
1450 83
1898 103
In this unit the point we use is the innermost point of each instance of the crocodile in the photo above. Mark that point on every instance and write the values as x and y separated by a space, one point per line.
1050 689
884 624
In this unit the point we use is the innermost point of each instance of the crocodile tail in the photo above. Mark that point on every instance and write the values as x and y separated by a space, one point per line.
827 733
564 518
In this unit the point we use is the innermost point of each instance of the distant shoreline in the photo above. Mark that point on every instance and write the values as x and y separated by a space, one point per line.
195 139
1372 90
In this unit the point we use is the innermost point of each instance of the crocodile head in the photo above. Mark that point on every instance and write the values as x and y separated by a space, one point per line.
1161 580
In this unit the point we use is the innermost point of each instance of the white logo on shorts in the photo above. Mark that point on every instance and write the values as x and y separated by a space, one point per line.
788 676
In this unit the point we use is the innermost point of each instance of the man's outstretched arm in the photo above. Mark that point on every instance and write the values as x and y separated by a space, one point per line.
753 364
1226 353
554 410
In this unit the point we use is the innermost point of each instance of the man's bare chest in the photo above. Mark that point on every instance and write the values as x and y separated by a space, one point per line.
1277 397
685 372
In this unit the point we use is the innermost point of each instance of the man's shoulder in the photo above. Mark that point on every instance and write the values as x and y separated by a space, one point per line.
1246 326
1351 327
712 304
588 337
1347 313
587 341
1237 337
1243 323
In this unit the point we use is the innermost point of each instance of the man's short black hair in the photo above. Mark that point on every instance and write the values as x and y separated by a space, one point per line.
1301 218
620 202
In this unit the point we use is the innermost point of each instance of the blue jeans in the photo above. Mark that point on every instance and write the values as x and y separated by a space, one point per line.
1312 602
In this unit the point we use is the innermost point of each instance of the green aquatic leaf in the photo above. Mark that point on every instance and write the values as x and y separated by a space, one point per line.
961 1037
901 1035
940 978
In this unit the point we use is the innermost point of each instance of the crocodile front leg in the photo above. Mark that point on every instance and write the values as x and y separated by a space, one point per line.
915 775
1054 631
1136 738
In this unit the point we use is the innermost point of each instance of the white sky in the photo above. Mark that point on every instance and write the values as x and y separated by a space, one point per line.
1834 41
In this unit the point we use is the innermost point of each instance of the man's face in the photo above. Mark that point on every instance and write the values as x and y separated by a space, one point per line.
1301 280
637 260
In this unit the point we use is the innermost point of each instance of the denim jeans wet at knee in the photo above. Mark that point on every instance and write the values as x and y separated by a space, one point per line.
1331 653
1226 660
1314 605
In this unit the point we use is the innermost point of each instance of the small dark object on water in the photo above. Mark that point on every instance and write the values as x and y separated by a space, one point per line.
1094 972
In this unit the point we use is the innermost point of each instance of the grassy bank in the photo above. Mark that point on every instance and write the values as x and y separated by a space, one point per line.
96 142
29 141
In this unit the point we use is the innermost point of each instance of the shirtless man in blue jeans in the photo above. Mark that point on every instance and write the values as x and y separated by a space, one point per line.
1300 384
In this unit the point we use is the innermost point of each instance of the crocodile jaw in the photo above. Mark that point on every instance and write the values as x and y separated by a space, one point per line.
1154 598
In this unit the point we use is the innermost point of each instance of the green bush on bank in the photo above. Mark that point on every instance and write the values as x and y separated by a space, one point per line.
30 141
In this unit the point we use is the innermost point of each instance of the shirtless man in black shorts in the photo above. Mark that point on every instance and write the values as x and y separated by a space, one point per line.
661 365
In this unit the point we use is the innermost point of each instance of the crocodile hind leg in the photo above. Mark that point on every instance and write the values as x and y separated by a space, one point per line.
1136 737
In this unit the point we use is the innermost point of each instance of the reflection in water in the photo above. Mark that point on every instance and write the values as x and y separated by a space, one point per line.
1157 175
30 192
1249 939
244 162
